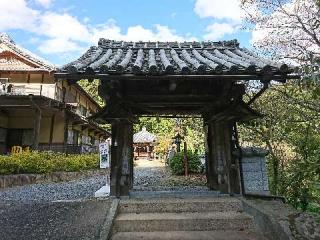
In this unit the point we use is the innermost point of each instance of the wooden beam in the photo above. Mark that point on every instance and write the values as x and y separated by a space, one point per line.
105 77
171 116
258 94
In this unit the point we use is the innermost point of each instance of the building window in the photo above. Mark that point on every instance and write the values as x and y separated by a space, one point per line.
3 139
92 140
20 137
74 137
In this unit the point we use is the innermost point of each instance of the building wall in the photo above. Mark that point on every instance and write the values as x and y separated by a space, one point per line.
48 87
3 121
58 131
45 127
21 122
46 78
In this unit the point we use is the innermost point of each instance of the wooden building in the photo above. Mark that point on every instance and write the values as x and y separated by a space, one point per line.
37 111
170 78
143 144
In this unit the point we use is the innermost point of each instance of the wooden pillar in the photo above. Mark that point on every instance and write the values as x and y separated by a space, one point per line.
51 130
36 128
220 164
66 129
36 123
211 165
222 153
121 158
235 176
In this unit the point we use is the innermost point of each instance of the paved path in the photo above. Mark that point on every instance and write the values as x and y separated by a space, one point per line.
52 220
63 210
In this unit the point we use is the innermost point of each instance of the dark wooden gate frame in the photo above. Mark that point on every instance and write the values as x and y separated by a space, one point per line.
125 104
173 79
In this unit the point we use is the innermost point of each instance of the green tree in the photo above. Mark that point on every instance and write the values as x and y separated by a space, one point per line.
290 130
92 89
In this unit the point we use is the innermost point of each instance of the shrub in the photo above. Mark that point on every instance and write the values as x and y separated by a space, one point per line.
177 166
45 162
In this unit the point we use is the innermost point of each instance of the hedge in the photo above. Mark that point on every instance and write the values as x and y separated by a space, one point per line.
46 162
177 165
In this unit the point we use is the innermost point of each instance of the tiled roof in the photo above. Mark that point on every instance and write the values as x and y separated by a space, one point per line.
12 64
16 58
172 58
144 137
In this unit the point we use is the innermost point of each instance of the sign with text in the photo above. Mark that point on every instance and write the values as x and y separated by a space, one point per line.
104 155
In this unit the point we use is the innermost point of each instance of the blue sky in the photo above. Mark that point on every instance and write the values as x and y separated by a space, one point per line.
60 30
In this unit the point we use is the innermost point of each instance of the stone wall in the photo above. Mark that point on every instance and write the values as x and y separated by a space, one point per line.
254 168
7 181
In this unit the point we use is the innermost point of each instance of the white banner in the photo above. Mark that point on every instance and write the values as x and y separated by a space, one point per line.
104 155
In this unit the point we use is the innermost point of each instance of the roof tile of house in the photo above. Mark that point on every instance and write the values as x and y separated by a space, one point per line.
16 58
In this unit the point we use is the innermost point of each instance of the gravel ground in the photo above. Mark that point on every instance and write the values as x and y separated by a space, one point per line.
50 211
155 176
76 189
148 175
66 210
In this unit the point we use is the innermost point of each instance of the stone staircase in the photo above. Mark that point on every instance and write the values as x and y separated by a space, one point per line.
215 218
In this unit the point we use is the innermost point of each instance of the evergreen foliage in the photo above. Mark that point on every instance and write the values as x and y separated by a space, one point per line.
177 163
165 129
290 130
46 162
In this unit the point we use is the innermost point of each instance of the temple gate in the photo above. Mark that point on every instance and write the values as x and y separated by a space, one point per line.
206 79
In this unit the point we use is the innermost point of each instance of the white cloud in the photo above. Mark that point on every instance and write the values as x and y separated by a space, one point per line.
62 26
226 15
44 3
15 14
59 45
62 33
137 33
219 9
217 30
69 34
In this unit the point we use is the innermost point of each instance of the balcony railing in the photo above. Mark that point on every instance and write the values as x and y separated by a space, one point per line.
47 90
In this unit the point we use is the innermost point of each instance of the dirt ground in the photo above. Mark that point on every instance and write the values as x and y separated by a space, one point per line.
144 163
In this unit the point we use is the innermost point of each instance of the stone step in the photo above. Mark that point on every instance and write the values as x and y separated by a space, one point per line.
186 221
218 204
175 194
188 235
